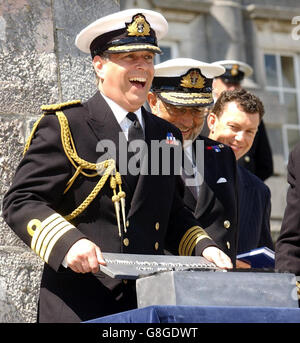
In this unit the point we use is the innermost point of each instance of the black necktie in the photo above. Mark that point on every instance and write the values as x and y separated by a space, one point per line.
135 130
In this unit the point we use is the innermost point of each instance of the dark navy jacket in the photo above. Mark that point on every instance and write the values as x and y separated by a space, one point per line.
255 211
156 218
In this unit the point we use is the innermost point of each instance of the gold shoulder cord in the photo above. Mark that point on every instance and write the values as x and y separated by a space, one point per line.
106 168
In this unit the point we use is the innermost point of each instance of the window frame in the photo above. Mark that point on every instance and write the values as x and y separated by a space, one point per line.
281 90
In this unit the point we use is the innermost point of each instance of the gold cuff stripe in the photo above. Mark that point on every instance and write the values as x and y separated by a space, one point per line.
133 47
45 234
190 239
39 228
49 237
193 243
55 239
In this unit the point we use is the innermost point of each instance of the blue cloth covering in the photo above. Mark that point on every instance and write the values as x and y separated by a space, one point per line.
203 314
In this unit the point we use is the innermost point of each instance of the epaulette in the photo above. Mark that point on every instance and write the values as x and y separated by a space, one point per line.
60 106
47 109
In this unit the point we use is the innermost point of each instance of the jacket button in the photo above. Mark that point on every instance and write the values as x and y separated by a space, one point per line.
227 224
228 245
156 245
127 223
247 159
126 242
157 226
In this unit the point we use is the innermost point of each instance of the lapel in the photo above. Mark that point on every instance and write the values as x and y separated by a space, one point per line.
190 193
105 127
206 194
247 191
189 198
148 186
102 121
205 199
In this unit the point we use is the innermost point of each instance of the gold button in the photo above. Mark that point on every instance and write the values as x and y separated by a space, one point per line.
156 245
127 223
125 282
227 224
126 242
157 226
228 245
247 159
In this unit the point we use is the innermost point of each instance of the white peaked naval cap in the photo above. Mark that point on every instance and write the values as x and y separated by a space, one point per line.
185 81
124 31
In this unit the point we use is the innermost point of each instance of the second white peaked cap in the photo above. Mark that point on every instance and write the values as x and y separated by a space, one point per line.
185 81
180 66
112 29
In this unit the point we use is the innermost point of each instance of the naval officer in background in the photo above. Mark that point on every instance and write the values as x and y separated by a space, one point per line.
181 93
259 158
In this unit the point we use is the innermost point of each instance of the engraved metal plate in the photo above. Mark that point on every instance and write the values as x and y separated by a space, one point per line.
134 266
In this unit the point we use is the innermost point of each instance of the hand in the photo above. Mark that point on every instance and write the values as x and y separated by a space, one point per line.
218 257
84 257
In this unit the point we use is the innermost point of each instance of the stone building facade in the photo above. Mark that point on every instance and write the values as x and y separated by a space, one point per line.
40 65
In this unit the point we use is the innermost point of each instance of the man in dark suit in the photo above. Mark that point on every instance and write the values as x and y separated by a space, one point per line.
287 252
69 202
259 158
234 121
182 93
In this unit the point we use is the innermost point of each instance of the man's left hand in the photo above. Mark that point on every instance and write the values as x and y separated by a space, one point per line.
218 257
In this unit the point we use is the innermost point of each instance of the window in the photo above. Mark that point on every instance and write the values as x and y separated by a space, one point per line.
283 80
169 50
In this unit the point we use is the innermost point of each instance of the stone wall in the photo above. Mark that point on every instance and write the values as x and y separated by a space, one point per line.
39 64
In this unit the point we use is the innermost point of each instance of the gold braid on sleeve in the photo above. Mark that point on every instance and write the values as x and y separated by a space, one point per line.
189 240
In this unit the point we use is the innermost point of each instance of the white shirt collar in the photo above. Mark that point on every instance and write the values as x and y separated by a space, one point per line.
120 113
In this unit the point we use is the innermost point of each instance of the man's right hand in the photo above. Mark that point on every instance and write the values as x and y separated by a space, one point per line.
84 257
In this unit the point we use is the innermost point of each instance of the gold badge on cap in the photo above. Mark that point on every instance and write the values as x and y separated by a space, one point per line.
192 80
139 26
234 70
